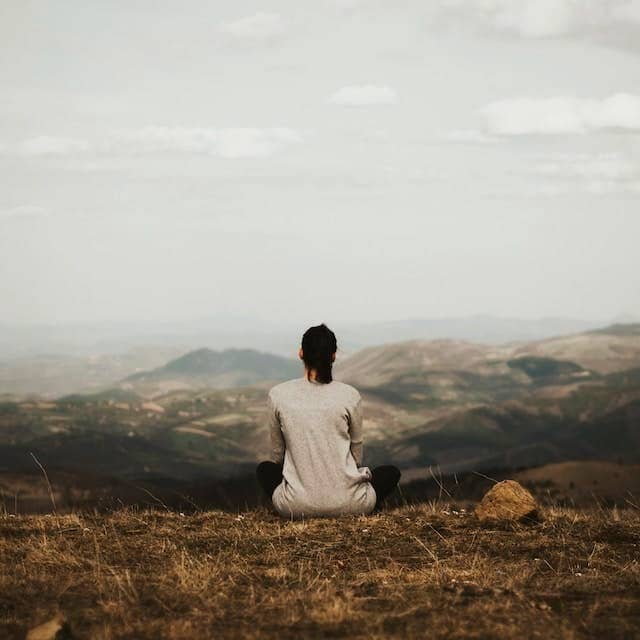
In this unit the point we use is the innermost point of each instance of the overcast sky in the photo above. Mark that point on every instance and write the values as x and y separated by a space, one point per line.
319 161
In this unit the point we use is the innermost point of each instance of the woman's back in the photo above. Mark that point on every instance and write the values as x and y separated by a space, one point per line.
316 432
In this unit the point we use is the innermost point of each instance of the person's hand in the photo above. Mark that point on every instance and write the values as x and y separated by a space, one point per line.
366 472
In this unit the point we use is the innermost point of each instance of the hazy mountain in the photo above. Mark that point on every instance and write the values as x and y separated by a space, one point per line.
483 329
606 350
52 375
185 435
59 359
427 378
224 332
453 404
468 406
206 368
447 363
382 364
84 339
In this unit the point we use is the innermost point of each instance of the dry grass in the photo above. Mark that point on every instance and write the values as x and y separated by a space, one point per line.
417 571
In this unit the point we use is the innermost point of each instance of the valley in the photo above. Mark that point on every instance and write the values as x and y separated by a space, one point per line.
196 426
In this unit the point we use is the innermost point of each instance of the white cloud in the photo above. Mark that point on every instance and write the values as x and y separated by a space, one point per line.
246 143
562 115
535 18
240 142
363 95
260 27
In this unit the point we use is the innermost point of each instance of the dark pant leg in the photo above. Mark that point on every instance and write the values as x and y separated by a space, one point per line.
384 481
269 476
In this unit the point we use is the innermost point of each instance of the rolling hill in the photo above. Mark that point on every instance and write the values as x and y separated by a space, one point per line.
425 376
511 406
454 405
606 350
206 368
598 419
51 375
580 481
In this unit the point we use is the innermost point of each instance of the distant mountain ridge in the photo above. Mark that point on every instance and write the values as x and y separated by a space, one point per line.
604 350
455 405
620 329
55 375
479 329
87 358
217 369
220 332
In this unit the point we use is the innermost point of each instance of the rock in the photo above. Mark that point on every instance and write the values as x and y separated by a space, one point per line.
54 629
507 500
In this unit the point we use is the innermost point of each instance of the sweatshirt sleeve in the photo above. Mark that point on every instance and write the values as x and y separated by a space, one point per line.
355 430
275 433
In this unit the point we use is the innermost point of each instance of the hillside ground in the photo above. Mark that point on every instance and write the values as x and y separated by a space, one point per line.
411 572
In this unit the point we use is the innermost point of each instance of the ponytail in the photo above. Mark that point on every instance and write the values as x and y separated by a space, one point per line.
318 346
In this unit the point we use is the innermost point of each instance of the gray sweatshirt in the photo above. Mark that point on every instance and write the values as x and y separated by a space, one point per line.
316 433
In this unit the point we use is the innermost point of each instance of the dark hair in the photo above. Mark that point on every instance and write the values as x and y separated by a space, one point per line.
318 345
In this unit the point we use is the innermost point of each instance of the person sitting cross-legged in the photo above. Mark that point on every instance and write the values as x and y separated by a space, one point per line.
315 426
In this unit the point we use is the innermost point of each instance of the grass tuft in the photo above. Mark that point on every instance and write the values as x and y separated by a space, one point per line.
416 571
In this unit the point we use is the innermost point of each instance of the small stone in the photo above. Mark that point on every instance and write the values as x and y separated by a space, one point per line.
54 629
508 501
